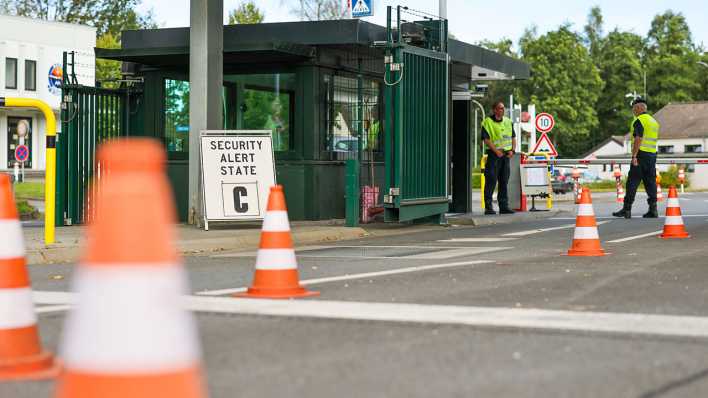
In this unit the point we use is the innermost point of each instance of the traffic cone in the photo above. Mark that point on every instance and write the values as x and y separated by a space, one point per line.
620 195
21 353
659 193
673 224
586 241
276 267
128 335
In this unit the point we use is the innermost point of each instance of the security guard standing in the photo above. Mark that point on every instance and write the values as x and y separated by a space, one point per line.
645 133
498 135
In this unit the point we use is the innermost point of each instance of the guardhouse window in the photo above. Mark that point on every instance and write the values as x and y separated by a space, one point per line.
30 75
177 115
349 112
11 73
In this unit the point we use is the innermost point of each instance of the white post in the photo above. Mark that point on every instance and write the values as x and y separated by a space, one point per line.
532 119
442 9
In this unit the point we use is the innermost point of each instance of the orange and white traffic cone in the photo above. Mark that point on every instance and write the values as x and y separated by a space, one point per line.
659 193
620 195
21 353
276 266
673 224
129 335
586 240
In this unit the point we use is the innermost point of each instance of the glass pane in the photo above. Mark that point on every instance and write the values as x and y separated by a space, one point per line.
346 115
177 115
30 75
10 73
267 104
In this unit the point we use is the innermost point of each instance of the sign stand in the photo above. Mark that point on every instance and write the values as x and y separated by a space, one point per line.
238 170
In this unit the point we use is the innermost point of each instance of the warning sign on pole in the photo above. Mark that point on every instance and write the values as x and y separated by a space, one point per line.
238 170
544 145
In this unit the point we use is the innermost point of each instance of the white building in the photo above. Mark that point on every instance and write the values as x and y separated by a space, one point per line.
31 67
684 133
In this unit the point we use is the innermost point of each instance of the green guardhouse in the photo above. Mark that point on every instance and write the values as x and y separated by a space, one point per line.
318 86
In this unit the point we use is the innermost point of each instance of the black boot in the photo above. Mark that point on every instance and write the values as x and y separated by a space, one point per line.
506 210
489 211
626 213
652 213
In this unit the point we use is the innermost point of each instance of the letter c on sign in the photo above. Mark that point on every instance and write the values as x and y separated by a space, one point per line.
238 205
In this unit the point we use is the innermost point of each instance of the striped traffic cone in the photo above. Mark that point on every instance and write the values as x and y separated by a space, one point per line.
129 335
586 241
21 353
620 195
276 267
673 224
659 193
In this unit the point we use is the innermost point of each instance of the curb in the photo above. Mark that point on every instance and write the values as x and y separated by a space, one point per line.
480 221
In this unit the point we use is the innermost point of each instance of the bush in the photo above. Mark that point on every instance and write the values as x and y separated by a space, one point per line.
27 211
670 177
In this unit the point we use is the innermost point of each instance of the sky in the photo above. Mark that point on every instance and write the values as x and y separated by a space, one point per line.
473 21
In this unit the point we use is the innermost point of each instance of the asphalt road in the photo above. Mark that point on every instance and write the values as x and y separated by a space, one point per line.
498 311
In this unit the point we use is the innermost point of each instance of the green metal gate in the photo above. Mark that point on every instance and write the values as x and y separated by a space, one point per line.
89 116
416 99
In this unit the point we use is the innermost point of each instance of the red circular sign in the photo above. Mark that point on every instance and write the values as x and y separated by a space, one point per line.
21 153
545 122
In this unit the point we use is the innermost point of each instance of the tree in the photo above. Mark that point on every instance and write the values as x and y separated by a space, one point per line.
318 10
566 83
108 71
620 65
672 70
594 32
246 13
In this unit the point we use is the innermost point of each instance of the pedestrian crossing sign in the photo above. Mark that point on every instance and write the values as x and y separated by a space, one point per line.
362 8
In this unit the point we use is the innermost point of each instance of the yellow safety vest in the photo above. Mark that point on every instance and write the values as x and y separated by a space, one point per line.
500 133
650 137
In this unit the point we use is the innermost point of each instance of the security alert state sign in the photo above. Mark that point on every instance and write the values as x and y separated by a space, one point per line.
238 170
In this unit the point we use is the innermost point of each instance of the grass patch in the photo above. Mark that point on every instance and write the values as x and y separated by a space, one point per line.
29 190
27 211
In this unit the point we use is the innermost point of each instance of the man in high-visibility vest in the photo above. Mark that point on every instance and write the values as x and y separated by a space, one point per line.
498 135
645 133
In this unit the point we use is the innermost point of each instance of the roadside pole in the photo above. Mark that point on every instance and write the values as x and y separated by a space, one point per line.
50 175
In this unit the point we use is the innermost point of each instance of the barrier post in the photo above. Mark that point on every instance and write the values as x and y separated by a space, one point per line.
576 178
482 165
50 158
549 200
682 177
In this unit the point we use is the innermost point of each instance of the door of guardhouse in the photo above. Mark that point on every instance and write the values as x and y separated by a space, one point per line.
416 150
89 116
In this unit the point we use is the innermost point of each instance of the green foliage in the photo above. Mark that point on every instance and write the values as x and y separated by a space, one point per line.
566 83
246 13
108 71
26 210
29 190
670 177
317 10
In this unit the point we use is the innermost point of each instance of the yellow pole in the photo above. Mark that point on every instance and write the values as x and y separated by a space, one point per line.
482 164
549 200
50 159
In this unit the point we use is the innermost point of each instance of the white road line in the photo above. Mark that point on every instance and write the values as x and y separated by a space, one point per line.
493 317
536 231
374 274
595 322
613 218
476 240
52 308
635 237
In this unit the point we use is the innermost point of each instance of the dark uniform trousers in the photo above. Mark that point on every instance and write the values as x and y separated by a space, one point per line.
496 170
645 172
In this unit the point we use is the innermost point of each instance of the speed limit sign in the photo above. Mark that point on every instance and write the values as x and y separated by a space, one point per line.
545 122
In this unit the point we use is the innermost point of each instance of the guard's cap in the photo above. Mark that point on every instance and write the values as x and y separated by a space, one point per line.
639 100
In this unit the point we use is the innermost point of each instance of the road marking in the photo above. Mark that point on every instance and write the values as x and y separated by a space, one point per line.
536 231
374 274
596 322
435 252
492 317
476 240
635 237
52 308
613 218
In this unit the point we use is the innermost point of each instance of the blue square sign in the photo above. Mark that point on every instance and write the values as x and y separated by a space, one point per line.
362 8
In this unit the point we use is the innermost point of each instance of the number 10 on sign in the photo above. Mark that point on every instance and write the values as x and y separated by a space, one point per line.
545 122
